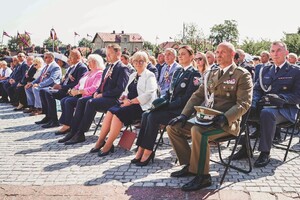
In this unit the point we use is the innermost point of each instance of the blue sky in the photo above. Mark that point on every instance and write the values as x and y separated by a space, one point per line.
163 18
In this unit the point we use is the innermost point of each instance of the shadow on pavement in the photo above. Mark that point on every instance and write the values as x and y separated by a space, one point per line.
54 146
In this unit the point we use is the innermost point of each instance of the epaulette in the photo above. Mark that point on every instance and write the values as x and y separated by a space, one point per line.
242 69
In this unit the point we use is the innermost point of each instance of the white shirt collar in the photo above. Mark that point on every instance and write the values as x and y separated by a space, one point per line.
280 66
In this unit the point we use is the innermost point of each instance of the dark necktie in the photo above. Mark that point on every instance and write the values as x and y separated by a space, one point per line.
3 72
108 74
277 69
221 73
166 77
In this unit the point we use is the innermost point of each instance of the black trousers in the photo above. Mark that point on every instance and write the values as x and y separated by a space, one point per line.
21 95
49 103
150 125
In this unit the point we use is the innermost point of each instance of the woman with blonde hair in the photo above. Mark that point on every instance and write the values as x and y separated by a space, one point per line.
202 63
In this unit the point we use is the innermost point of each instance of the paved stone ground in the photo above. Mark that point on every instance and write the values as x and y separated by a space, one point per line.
34 166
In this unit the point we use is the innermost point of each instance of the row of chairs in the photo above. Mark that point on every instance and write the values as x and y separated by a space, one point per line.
289 128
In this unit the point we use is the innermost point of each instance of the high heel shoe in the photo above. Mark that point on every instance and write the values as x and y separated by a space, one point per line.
146 162
111 150
136 160
95 150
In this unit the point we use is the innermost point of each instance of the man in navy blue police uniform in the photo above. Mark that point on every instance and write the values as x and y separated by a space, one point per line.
73 75
278 91
113 83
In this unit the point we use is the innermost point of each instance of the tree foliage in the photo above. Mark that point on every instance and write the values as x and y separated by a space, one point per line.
49 43
255 47
13 44
227 31
194 37
85 43
293 42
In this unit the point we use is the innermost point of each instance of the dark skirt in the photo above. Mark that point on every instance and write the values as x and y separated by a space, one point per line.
127 114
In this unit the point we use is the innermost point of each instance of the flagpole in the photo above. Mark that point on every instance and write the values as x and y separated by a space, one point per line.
2 39
52 45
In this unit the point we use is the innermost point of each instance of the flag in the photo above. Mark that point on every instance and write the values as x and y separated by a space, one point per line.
89 35
6 34
157 38
76 34
53 34
27 33
170 38
23 40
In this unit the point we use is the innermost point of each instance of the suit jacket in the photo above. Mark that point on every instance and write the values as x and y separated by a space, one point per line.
285 83
116 83
232 95
159 67
153 69
146 88
20 72
52 76
184 86
92 82
28 77
79 71
163 84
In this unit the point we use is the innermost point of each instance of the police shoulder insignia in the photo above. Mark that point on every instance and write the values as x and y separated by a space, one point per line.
197 81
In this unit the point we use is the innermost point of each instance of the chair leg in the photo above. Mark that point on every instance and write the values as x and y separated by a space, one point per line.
289 144
99 123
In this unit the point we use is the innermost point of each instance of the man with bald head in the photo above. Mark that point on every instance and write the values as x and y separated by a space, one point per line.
211 58
73 74
228 89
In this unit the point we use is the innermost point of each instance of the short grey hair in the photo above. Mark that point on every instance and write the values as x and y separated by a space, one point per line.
173 51
98 60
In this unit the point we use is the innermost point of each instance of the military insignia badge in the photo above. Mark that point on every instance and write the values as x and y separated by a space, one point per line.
230 81
197 81
182 85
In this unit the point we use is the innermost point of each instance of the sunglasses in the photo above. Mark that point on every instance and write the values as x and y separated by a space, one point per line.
198 59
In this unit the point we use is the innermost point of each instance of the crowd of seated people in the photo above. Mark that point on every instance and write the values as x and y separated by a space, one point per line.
127 89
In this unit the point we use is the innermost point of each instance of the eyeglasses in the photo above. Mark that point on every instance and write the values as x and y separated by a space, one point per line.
138 62
198 59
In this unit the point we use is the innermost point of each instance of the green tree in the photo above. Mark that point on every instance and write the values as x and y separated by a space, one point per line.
255 47
227 31
194 37
85 43
13 44
154 49
293 42
49 43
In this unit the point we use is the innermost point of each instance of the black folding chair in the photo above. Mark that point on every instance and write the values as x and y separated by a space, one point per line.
294 127
99 123
244 133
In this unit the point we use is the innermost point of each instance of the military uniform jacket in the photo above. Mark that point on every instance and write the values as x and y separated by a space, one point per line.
183 84
285 83
232 95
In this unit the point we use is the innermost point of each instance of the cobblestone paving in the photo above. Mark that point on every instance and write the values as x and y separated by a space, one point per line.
31 156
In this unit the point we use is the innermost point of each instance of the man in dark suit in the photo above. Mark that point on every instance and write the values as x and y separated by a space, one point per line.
73 75
113 83
20 90
19 73
227 89
160 63
243 63
277 92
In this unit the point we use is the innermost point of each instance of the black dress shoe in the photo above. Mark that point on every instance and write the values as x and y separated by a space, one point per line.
146 162
255 135
95 150
43 121
77 138
62 133
4 101
182 173
277 140
111 150
197 183
51 124
262 160
134 161
242 153
66 138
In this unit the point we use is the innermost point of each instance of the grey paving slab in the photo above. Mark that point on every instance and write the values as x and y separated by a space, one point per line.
31 156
